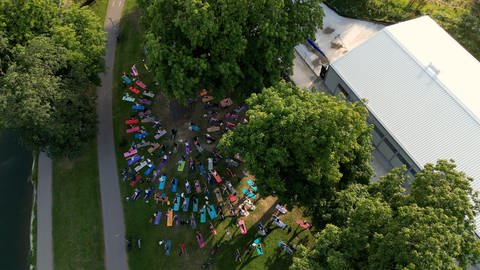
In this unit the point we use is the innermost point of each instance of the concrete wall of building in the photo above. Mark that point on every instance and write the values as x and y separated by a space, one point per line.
382 141
334 83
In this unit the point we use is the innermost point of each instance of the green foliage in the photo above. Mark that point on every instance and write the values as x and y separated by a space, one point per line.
51 113
224 45
81 33
50 56
461 18
298 142
25 19
384 227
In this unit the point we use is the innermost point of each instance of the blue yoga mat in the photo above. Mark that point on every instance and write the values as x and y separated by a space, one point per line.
174 186
168 246
138 107
249 194
195 206
195 128
176 206
149 170
212 212
203 215
126 80
201 168
161 185
185 205
133 159
140 135
157 218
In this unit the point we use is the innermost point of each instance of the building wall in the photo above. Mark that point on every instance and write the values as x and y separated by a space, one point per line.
382 141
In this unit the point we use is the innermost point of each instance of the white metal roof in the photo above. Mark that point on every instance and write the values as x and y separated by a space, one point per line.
424 88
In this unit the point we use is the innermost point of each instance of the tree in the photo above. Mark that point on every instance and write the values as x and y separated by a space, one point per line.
297 142
82 34
50 57
49 112
224 45
389 228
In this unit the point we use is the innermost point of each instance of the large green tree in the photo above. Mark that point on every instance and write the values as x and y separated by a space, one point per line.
302 145
51 112
50 58
381 226
224 45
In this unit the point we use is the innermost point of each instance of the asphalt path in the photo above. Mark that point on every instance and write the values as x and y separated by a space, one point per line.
112 211
44 213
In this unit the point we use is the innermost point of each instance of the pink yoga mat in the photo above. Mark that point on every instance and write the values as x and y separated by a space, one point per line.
141 84
130 153
133 129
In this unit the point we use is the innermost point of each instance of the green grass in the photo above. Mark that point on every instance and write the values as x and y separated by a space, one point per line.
99 7
32 254
76 214
137 214
461 18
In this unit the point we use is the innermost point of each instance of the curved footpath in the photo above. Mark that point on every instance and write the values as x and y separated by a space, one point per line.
112 211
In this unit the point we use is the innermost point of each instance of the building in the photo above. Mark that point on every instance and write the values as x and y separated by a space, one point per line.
422 90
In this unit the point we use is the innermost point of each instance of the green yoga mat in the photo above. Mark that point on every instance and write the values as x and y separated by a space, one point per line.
181 166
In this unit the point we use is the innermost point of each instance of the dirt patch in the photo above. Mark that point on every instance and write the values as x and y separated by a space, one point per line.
328 30
264 211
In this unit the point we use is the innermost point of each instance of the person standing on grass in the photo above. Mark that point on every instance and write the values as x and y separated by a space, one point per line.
182 249
220 211
175 147
227 233
238 256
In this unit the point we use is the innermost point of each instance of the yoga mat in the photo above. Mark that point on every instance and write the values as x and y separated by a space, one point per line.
157 218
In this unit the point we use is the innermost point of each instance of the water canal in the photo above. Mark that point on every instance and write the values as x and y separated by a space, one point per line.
15 203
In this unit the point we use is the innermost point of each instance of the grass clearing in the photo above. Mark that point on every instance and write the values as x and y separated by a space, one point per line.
461 18
76 214
99 7
138 213
32 254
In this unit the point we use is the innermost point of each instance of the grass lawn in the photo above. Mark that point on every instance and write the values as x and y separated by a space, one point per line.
461 18
77 218
139 213
99 7
32 254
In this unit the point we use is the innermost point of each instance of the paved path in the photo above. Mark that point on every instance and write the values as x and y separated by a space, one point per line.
44 214
113 222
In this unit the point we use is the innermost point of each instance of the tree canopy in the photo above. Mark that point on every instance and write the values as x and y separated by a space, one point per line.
50 57
302 146
225 46
385 227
